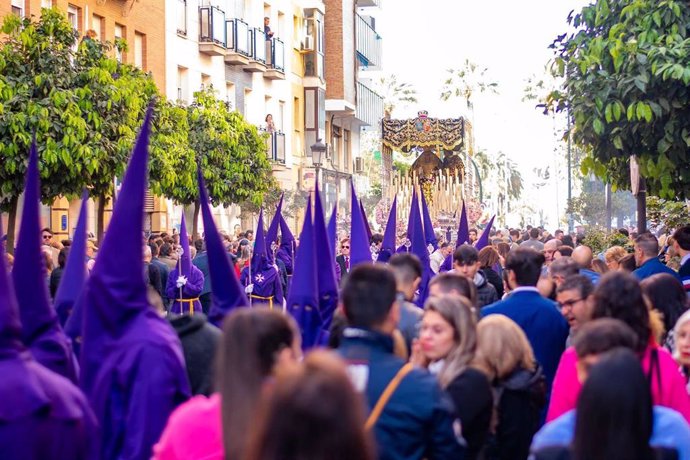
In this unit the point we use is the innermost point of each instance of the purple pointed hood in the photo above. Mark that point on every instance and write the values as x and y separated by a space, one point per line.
365 219
227 294
333 228
463 229
325 261
429 234
414 208
74 275
286 252
272 232
186 258
303 298
259 256
419 248
359 242
29 273
483 240
10 326
116 291
388 245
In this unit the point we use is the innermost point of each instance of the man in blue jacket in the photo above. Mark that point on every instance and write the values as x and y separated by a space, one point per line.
544 325
416 422
647 257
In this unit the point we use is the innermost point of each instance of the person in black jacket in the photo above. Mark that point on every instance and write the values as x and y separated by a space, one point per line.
489 259
519 387
447 344
466 263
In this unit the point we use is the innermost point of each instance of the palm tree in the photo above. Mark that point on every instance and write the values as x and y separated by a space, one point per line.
394 93
466 81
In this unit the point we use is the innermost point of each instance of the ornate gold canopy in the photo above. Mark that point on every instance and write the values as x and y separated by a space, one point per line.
436 133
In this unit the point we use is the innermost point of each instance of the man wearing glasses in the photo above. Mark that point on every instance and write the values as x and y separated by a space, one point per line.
49 245
344 258
574 300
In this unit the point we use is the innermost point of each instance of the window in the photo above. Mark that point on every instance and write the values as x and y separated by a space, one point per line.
297 119
73 16
280 25
18 8
97 23
346 150
182 17
336 147
46 3
230 95
182 85
280 116
246 103
205 81
119 34
140 50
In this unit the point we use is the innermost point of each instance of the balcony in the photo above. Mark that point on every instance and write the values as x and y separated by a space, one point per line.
258 52
182 17
239 42
275 145
368 3
275 52
368 44
369 105
212 31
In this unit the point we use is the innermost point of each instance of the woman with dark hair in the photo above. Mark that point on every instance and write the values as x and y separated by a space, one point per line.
489 263
627 263
614 418
257 344
618 295
314 414
56 274
667 296
567 240
447 344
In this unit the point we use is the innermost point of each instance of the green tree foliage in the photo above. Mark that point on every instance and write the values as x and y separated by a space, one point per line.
590 206
627 74
231 152
668 213
466 81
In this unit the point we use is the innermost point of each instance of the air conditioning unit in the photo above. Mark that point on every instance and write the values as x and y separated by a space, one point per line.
359 165
308 43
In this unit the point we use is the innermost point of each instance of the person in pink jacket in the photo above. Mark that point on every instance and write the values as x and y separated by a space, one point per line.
618 295
257 344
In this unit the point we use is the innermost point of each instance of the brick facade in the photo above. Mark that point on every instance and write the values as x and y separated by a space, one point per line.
144 17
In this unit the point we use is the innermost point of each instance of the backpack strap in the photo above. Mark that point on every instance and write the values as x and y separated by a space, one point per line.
386 395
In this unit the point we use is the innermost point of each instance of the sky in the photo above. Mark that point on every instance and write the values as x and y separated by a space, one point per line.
422 39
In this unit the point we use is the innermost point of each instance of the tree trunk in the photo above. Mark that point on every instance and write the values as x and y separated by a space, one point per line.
100 219
609 200
11 225
195 225
642 207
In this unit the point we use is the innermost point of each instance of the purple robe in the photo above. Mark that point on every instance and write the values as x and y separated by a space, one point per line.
284 253
266 284
191 290
43 416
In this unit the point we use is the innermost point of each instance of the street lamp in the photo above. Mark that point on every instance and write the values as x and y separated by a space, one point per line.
317 151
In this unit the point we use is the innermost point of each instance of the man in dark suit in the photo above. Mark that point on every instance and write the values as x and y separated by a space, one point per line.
681 244
344 258
544 325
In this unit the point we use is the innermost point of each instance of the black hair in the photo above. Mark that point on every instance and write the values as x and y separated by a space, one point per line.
614 411
154 249
534 233
407 265
682 237
648 243
619 295
166 250
62 256
451 282
199 245
526 263
47 230
368 295
466 255
376 238
624 231
567 240
580 283
602 335
667 296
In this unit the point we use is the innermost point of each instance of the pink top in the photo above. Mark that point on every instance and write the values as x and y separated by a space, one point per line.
194 431
672 394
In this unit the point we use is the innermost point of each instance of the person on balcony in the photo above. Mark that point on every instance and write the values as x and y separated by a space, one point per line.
270 125
267 29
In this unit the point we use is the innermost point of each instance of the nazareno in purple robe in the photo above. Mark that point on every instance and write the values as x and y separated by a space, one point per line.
41 330
133 370
43 416
266 284
191 290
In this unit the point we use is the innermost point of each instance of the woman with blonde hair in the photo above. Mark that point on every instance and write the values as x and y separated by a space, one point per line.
613 256
519 387
448 342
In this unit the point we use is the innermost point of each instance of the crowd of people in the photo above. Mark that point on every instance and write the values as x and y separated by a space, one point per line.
260 346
